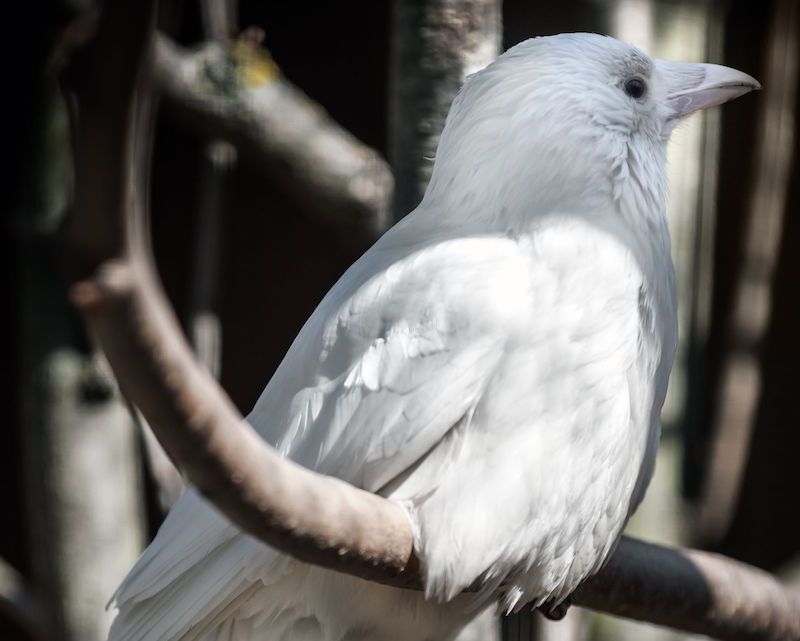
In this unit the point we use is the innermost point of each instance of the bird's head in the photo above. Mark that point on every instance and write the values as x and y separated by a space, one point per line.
571 121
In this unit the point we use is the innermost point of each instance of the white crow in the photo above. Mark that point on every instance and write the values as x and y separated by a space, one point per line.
496 363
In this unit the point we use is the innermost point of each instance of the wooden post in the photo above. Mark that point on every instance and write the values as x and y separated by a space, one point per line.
80 455
435 45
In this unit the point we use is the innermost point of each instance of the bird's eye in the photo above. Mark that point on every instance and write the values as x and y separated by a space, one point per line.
635 87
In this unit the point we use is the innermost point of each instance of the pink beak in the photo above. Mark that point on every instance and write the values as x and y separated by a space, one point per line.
694 86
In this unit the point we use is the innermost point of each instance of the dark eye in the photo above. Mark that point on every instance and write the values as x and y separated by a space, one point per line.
635 87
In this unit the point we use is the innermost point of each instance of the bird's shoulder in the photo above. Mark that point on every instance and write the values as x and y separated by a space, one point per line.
397 352
449 285
406 300
496 276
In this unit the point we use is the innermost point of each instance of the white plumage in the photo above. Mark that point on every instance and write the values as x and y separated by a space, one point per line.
496 362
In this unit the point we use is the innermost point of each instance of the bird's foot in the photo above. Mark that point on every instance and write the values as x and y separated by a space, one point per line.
556 611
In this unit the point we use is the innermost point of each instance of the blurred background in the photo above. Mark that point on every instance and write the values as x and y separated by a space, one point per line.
290 135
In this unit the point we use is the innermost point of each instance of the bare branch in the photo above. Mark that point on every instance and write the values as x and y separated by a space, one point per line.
314 518
203 324
311 517
693 591
238 94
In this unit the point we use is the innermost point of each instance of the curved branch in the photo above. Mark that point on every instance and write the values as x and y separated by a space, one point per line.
311 517
317 519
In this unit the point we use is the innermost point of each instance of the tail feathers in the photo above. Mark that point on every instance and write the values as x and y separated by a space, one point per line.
198 568
197 600
222 624
203 580
192 530
244 591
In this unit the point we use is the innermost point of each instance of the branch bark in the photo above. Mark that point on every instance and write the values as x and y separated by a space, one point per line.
238 94
314 518
693 591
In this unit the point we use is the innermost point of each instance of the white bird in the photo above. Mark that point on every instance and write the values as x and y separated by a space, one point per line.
496 363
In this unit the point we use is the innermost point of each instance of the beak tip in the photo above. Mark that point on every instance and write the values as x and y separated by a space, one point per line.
751 83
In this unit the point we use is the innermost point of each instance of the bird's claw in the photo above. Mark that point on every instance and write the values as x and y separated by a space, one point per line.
556 611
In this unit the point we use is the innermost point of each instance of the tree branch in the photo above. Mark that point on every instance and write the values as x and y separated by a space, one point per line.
314 518
238 94
693 591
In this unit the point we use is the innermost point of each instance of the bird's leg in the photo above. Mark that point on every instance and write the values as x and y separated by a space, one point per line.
556 611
